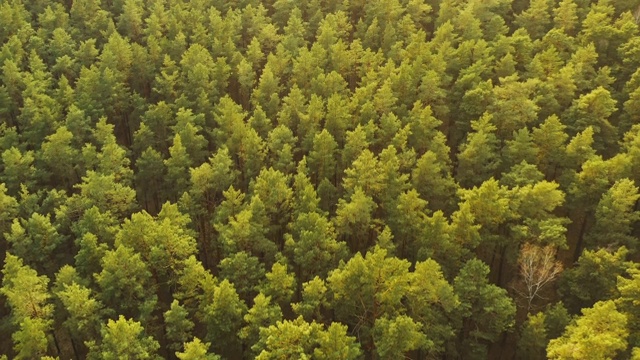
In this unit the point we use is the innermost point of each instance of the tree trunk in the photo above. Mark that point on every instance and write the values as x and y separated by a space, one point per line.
74 347
580 243
503 252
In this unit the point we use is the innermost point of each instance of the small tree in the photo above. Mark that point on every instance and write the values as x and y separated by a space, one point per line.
538 268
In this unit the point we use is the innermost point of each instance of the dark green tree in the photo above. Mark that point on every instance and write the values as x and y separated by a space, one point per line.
486 310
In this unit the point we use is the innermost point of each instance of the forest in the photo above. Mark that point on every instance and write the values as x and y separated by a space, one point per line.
319 179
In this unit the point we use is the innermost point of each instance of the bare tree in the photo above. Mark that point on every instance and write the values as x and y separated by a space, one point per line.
538 268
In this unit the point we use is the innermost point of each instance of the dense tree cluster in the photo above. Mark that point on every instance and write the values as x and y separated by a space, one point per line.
319 179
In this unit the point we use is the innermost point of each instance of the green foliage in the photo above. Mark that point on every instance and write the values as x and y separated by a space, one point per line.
486 310
222 314
432 302
163 243
533 337
18 169
125 283
177 325
315 248
35 240
244 270
556 319
380 282
214 169
25 291
536 19
614 215
178 165
262 315
538 329
287 339
83 310
59 155
28 297
322 156
8 209
31 340
628 302
334 343
593 278
300 339
104 192
196 350
123 338
478 157
313 299
598 334
395 337
354 219
280 284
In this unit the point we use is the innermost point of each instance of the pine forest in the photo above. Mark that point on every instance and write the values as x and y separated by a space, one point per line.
320 179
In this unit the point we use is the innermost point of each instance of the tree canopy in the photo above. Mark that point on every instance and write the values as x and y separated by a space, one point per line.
381 179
